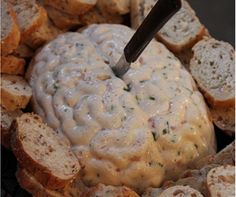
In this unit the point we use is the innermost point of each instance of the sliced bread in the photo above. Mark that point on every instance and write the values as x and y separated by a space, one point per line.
180 33
73 7
30 16
224 157
12 65
10 33
212 66
114 6
15 92
23 51
110 191
6 121
221 181
43 152
42 35
180 191
224 119
61 19
96 15
30 184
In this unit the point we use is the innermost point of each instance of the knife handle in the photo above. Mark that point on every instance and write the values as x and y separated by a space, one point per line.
155 20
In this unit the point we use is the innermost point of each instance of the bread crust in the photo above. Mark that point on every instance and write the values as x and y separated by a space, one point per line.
6 121
42 35
26 33
73 7
12 65
29 183
11 100
62 20
41 173
178 49
11 41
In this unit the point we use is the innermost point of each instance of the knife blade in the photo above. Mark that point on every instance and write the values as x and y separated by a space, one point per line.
159 15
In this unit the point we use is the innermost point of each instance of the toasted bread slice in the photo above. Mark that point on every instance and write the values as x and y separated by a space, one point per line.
73 7
44 34
180 191
15 92
110 191
221 181
10 33
6 121
61 19
224 118
96 15
30 184
180 33
114 6
224 157
23 51
43 152
12 65
30 16
212 66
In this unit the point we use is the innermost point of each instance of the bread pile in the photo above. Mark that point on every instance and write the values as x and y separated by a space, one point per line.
56 158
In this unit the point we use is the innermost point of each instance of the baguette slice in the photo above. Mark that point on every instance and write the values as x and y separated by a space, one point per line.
12 65
30 184
180 33
61 19
97 16
73 7
180 191
110 191
114 6
42 35
221 181
43 152
212 66
225 157
15 92
30 16
10 33
224 118
6 121
23 51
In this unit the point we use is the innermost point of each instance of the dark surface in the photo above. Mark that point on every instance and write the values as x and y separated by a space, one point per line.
217 15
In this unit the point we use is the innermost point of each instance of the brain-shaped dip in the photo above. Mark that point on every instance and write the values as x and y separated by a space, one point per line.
135 132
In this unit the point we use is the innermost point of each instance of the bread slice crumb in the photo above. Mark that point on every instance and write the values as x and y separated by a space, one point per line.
15 92
43 152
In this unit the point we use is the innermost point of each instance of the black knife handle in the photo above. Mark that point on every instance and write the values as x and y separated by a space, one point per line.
155 20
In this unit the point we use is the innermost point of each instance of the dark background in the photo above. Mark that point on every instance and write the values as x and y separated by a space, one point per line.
217 15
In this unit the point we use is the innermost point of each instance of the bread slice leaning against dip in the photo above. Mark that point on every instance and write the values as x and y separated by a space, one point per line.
153 121
42 152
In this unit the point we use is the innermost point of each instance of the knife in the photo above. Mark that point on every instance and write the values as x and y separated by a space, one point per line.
155 20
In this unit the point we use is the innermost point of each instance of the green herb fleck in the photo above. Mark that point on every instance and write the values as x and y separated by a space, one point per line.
123 118
154 136
143 81
112 107
55 86
164 131
128 88
152 98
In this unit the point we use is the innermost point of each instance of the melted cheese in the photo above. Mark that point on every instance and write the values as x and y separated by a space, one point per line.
135 132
